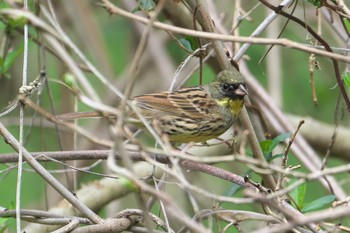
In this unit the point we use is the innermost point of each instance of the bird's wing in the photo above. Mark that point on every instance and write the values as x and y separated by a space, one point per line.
186 102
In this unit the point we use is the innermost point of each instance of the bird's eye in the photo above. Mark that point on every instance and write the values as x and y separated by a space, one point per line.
225 87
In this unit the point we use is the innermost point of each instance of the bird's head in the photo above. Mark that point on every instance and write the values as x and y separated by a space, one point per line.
228 84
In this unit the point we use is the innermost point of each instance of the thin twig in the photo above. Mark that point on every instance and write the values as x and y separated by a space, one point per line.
312 60
21 127
285 155
290 142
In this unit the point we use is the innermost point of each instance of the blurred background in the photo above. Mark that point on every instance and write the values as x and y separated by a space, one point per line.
110 42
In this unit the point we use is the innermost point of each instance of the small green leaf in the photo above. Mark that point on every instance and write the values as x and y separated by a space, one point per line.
190 43
135 9
3 221
185 43
265 146
16 22
234 188
316 3
301 194
146 5
269 145
69 79
3 227
298 195
129 184
280 138
318 203
193 41
346 23
3 224
346 78
276 156
10 58
12 205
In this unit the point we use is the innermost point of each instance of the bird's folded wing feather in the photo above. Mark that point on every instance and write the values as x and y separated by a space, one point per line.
187 102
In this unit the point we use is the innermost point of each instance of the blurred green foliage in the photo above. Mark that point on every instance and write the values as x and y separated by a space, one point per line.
119 38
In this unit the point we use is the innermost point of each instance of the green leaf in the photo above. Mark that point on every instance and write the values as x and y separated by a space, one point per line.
276 156
193 41
234 188
190 43
269 145
318 203
301 194
185 43
129 184
280 138
316 3
3 221
265 146
3 224
70 80
346 23
10 58
12 205
346 78
3 228
16 22
146 5
298 195
137 8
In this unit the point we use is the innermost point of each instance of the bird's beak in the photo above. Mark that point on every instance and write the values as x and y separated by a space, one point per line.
241 90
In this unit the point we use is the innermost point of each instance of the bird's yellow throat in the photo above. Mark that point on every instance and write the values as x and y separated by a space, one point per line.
234 105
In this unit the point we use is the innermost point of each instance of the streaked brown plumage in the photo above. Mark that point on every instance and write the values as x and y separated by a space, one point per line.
198 113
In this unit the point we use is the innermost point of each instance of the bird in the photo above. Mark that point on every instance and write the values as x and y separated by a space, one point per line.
195 114
192 114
